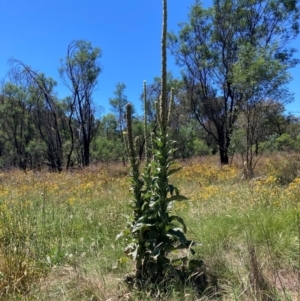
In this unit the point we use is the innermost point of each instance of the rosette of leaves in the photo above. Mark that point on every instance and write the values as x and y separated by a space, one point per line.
160 231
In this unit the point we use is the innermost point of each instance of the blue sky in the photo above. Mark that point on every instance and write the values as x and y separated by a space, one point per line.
128 32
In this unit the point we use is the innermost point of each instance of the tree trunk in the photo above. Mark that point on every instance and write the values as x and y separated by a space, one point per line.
223 142
256 147
86 153
224 158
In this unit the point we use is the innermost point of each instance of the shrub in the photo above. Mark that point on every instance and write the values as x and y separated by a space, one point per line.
283 167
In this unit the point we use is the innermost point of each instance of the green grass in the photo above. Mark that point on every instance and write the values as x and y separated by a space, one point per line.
58 235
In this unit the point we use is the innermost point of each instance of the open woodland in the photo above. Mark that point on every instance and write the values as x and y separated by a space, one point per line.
198 199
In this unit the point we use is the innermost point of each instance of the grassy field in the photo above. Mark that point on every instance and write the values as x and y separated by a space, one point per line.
58 232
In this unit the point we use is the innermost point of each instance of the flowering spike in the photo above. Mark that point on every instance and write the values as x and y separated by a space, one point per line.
131 153
163 96
136 144
145 124
171 105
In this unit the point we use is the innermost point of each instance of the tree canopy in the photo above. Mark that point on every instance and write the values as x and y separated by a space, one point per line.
232 54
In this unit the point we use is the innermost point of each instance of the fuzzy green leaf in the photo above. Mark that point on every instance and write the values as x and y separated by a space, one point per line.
170 172
195 264
134 254
179 220
171 151
192 251
176 190
157 141
178 233
140 227
177 198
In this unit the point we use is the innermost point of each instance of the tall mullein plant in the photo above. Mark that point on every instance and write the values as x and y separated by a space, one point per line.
154 231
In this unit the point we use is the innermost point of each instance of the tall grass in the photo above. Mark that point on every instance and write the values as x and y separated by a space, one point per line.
53 220
57 234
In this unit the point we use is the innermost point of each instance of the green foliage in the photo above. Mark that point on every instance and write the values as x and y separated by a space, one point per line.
154 231
233 55
188 143
285 143
257 72
297 143
106 150
82 59
238 142
37 150
283 167
15 124
118 106
108 126
201 148
281 143
80 71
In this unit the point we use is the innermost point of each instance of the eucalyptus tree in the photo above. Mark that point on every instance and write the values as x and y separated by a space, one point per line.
80 71
231 38
15 124
108 127
255 131
118 107
107 146
261 78
46 111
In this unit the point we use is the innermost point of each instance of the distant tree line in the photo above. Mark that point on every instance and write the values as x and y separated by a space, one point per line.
234 58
